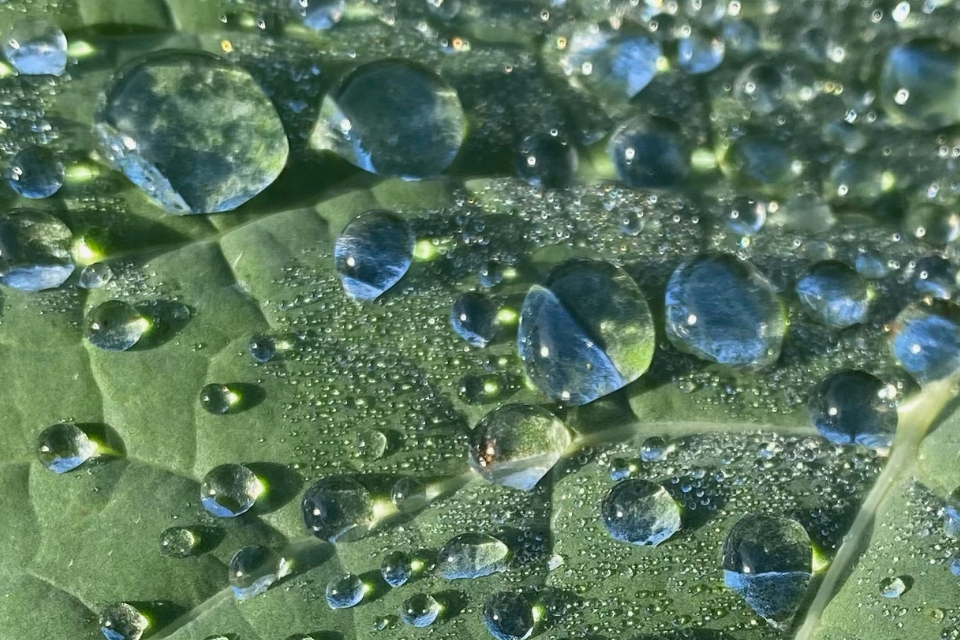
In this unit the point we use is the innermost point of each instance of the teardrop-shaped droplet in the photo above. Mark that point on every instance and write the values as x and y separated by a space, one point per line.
36 47
508 616
517 445
115 326
253 569
472 555
392 118
230 490
179 542
34 250
123 621
474 318
35 173
64 447
338 509
834 294
169 122
372 253
768 562
420 610
586 332
721 309
854 407
345 591
925 340
640 512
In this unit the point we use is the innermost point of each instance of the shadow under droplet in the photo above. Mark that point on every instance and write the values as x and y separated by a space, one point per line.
250 395
167 319
160 612
109 442
453 603
282 485
376 585
209 538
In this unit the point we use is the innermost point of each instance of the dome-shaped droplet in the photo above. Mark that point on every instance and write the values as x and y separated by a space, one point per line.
508 616
586 332
253 569
262 348
64 447
721 309
179 542
951 514
409 495
193 131
757 160
932 224
35 173
474 318
640 512
230 490
768 562
420 610
700 52
654 449
854 407
218 398
612 65
319 15
935 277
338 509
122 621
345 591
871 265
547 161
517 445
95 276
760 87
648 153
371 444
397 568
372 254
893 587
834 294
34 250
36 47
393 118
472 555
115 326
920 83
925 340
745 216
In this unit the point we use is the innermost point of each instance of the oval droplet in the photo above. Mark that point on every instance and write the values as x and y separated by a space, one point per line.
472 555
397 568
373 253
338 510
230 490
34 250
925 340
474 318
640 512
64 447
253 569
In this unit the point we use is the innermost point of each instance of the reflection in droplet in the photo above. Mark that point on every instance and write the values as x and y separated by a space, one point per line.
508 616
640 512
472 555
35 173
345 591
179 542
338 509
36 47
834 294
925 340
253 569
854 407
115 326
64 447
372 253
230 490
34 250
420 610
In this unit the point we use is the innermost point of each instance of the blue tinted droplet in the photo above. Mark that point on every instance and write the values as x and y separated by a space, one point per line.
373 253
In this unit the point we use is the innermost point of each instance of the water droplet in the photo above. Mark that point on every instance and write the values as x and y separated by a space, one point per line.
614 66
508 616
397 568
586 332
932 223
443 9
409 495
372 254
745 216
761 87
935 277
253 569
179 542
925 340
834 294
64 447
35 173
34 250
122 621
768 562
169 122
700 52
955 566
871 266
338 510
919 82
648 153
654 449
230 490
472 555
96 275
893 587
345 591
264 348
371 444
951 514
115 326
547 161
36 47
640 512
420 610
517 445
394 118
850 407
218 399
474 318
759 161
319 15
721 309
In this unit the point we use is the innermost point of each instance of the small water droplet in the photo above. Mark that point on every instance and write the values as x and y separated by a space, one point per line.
893 587
420 610
373 253
345 591
472 555
179 542
253 569
218 399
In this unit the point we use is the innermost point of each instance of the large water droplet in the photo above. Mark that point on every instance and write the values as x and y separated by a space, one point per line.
474 318
919 83
721 309
394 118
338 509
230 490
64 447
745 216
932 223
397 568
179 542
193 131
935 277
648 153
115 326
409 495
768 561
253 569
95 276
834 294
218 398
34 250
123 621
35 173
854 407
420 610
614 66
640 512
319 14
700 52
586 332
36 47
345 591
547 161
372 254
508 616
517 445
925 340
472 555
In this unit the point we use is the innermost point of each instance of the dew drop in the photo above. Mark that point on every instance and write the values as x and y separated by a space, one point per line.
420 610
546 161
854 407
373 253
35 173
63 447
397 568
474 318
179 542
472 555
640 512
345 591
34 250
217 398
338 509
649 153
96 275
253 569
893 587
508 616
834 294
925 340
408 495
123 621
319 15
919 82
36 47
115 326
230 490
